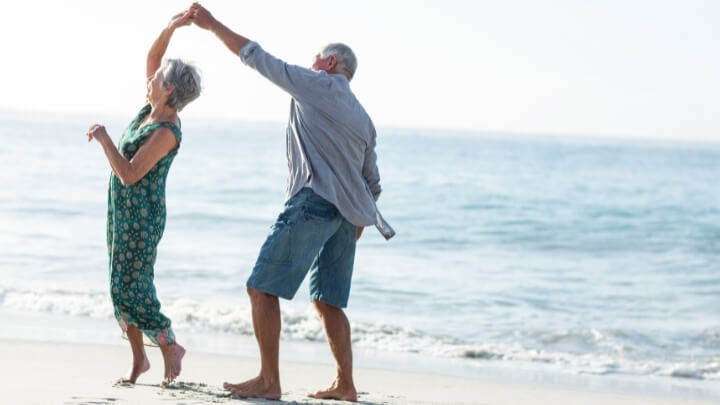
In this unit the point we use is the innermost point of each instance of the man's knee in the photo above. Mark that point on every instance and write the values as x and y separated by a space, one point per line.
323 307
256 295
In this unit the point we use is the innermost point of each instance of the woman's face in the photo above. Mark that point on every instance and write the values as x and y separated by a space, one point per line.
156 92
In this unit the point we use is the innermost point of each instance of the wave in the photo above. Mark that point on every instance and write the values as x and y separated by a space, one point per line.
210 317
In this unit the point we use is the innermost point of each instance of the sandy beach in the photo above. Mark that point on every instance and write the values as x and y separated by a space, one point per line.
60 373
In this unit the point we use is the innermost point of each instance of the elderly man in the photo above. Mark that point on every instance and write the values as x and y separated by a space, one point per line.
332 188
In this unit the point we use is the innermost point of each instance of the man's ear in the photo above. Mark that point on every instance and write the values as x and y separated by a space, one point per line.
332 62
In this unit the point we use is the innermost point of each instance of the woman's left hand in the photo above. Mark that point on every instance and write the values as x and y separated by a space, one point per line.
98 133
181 19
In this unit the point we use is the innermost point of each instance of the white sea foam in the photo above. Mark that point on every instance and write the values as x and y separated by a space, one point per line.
303 326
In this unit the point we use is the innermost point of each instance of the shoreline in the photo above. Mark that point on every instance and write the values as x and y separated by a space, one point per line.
77 332
37 372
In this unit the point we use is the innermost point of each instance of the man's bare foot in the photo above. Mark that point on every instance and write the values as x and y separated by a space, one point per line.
340 389
255 388
173 355
135 371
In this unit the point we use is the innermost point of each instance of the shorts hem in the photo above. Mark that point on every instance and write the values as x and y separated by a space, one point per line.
319 297
269 291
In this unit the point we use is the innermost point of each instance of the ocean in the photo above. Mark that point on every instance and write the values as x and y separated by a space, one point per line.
514 254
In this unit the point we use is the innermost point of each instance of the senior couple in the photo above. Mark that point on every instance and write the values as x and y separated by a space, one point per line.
332 188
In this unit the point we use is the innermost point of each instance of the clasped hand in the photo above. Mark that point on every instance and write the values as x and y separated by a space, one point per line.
196 14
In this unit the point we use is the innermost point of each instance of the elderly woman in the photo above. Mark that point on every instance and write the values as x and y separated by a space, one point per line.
136 202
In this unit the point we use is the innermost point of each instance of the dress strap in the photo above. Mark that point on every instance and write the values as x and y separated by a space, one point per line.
174 128
148 129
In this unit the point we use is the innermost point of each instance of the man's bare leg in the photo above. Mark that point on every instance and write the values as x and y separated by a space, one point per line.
266 323
172 355
140 362
337 329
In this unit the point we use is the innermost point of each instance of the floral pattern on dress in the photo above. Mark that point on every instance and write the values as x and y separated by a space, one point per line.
135 225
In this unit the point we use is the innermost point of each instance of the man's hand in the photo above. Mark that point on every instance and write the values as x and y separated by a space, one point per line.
201 17
359 232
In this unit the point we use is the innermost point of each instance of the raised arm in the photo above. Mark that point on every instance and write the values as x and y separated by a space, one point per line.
158 48
159 144
203 19
299 82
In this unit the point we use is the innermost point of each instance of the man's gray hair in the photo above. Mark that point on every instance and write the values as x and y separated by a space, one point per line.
345 57
186 80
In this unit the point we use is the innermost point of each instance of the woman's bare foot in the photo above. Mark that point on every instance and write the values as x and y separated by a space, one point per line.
340 389
255 388
135 371
173 355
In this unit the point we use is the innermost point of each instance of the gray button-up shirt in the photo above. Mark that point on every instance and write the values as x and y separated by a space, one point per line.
330 137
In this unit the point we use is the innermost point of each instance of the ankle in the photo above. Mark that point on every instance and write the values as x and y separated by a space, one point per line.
345 383
170 347
269 380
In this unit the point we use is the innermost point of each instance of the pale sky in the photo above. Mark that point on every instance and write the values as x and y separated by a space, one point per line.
640 68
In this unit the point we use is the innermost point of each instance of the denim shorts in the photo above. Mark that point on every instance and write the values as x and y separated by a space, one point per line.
309 235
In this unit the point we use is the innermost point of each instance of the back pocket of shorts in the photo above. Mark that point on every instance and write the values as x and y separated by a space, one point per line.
320 212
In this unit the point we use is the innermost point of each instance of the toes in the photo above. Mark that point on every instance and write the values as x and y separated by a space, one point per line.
171 374
234 387
168 380
229 386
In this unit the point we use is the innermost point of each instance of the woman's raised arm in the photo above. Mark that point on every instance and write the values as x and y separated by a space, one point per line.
158 48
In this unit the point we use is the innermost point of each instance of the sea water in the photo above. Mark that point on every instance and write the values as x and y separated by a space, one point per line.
593 256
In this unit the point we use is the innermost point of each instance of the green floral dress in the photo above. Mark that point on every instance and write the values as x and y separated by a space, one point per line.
136 220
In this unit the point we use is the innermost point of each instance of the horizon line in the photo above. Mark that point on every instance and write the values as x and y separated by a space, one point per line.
73 116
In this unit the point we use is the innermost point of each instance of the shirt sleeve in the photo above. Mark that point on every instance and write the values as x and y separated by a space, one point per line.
295 80
370 170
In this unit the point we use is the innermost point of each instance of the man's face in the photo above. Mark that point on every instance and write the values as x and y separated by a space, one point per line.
324 64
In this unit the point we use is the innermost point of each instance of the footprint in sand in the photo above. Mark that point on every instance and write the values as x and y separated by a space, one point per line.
90 401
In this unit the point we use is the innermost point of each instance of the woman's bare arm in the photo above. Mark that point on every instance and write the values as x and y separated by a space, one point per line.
158 48
161 142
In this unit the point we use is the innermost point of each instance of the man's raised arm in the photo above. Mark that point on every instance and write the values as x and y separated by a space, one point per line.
297 81
203 19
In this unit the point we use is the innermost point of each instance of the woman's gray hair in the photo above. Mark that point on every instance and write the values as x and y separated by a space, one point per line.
345 57
186 80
